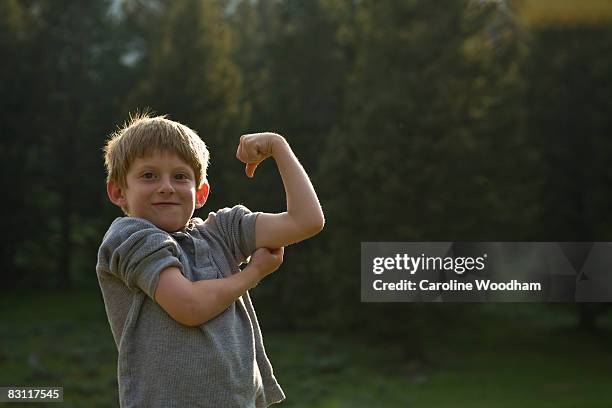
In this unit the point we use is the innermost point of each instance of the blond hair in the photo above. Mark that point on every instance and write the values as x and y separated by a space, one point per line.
142 135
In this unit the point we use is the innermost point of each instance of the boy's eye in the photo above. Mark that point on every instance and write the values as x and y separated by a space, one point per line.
181 176
148 175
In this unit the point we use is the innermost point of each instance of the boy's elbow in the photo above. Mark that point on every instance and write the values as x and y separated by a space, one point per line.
187 314
191 316
315 226
320 224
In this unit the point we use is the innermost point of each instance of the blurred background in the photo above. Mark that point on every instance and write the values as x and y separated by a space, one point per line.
474 120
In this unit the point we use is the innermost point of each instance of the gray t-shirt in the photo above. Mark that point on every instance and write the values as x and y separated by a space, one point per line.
162 363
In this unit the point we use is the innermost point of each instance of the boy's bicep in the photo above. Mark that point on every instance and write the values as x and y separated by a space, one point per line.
276 230
174 293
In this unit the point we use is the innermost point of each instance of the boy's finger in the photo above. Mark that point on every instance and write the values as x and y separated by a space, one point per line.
245 155
250 169
277 251
240 153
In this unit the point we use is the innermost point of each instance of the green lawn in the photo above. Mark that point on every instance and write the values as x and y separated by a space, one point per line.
512 355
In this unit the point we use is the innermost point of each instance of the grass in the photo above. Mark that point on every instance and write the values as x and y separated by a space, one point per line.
511 355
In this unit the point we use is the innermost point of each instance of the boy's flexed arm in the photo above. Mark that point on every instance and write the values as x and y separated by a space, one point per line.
304 217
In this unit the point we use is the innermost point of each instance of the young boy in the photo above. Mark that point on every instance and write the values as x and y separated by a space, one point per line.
177 302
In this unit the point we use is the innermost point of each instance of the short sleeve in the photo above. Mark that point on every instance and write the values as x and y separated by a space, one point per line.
236 226
137 252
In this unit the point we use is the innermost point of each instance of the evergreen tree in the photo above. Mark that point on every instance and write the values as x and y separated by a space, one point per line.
431 145
62 58
187 72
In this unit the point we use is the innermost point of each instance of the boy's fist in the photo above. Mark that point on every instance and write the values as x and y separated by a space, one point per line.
266 260
255 148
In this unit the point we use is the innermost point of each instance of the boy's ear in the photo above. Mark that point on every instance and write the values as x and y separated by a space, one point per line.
115 193
202 195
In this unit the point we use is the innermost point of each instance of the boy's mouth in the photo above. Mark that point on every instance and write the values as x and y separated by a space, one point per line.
164 203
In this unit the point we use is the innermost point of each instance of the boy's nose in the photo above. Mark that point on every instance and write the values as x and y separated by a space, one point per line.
165 186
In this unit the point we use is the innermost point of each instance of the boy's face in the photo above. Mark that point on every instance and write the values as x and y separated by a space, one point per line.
161 188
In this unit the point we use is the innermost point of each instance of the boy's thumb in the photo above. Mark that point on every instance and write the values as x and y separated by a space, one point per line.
278 251
250 169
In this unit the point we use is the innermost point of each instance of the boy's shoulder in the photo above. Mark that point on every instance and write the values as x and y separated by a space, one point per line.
132 236
127 222
129 228
128 225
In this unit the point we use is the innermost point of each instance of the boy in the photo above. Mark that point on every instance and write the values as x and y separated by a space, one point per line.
177 302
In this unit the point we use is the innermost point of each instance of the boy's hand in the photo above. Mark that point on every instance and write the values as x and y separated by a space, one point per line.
265 261
255 148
